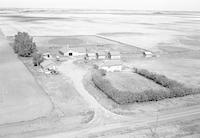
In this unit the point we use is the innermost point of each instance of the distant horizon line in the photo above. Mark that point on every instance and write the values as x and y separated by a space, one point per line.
90 9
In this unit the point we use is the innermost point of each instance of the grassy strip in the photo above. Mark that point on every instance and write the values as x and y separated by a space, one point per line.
175 89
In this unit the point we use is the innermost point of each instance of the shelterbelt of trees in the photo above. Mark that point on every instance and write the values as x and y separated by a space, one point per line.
25 47
174 88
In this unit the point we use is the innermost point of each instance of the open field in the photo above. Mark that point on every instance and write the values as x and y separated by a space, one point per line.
91 42
21 98
131 82
144 29
182 67
69 109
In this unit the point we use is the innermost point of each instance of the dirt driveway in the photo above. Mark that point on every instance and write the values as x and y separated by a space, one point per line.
76 74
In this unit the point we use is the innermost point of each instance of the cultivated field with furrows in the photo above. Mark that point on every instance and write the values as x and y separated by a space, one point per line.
70 104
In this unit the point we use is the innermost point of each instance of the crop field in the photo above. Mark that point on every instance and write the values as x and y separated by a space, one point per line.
21 98
91 42
131 82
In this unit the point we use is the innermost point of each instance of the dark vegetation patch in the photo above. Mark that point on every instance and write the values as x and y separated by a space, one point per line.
21 18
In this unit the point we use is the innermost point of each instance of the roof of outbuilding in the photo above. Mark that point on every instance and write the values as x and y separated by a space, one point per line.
115 53
148 52
47 63
75 49
101 53
91 54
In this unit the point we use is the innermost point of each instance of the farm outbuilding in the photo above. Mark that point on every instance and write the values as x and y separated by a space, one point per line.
91 56
101 55
115 55
147 54
111 65
78 51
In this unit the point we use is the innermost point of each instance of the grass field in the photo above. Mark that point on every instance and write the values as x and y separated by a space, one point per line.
21 98
131 82
182 67
61 90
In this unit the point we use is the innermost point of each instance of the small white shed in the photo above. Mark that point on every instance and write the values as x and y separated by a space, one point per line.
91 56
101 55
115 55
147 54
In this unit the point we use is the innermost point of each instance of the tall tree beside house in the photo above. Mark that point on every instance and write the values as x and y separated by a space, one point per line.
37 59
24 45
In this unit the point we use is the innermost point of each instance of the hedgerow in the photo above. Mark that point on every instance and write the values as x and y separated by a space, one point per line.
174 89
159 79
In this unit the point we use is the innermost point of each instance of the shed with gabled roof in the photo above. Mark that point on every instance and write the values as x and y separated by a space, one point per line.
114 55
148 54
101 55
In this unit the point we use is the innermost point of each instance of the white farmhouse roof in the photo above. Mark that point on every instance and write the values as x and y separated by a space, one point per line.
148 53
47 53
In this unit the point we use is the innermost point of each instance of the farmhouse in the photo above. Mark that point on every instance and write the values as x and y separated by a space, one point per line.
147 54
111 65
78 51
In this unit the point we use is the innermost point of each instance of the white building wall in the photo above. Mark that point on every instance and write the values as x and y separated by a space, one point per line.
92 57
115 57
101 57
112 68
